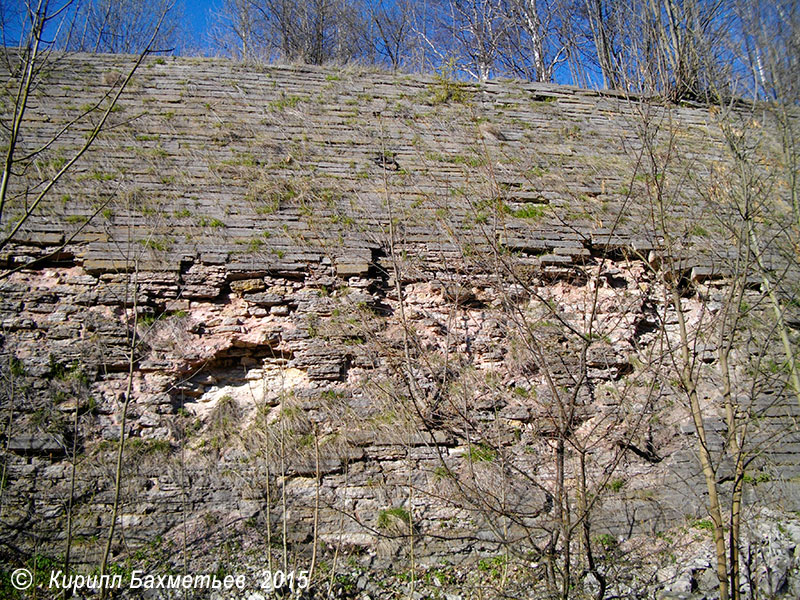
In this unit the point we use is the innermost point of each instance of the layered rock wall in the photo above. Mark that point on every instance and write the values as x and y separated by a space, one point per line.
366 311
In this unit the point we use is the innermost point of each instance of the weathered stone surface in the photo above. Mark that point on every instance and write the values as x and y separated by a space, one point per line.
351 269
424 364
248 286
41 443
265 299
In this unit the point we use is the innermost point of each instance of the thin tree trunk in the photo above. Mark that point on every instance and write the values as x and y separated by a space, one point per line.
8 431
595 10
284 517
269 521
68 545
688 381
317 484
411 533
778 310
586 527
121 447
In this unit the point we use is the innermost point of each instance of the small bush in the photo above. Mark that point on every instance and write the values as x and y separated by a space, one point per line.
606 541
481 453
386 517
287 102
16 367
494 566
149 446
446 89
210 222
153 244
616 485
533 212
442 473
704 524
224 415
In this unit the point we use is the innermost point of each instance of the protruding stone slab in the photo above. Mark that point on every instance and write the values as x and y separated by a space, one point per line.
265 299
248 286
37 443
352 269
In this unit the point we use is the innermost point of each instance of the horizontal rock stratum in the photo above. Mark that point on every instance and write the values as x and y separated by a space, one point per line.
406 321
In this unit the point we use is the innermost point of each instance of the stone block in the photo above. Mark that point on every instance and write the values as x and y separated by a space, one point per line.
352 269
265 299
248 286
37 443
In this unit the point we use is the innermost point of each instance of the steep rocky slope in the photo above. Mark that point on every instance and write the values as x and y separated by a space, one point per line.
405 320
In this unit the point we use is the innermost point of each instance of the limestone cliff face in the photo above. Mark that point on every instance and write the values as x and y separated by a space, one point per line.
403 319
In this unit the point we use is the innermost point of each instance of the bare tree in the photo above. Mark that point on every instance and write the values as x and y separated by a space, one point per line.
236 31
317 32
477 29
676 49
124 26
606 29
542 37
528 39
392 37
738 307
25 184
770 45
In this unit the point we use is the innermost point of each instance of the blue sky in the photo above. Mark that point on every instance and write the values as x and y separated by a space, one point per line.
198 17
198 14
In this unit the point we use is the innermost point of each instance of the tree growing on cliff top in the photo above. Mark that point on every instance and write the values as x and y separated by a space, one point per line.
315 32
689 50
125 26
